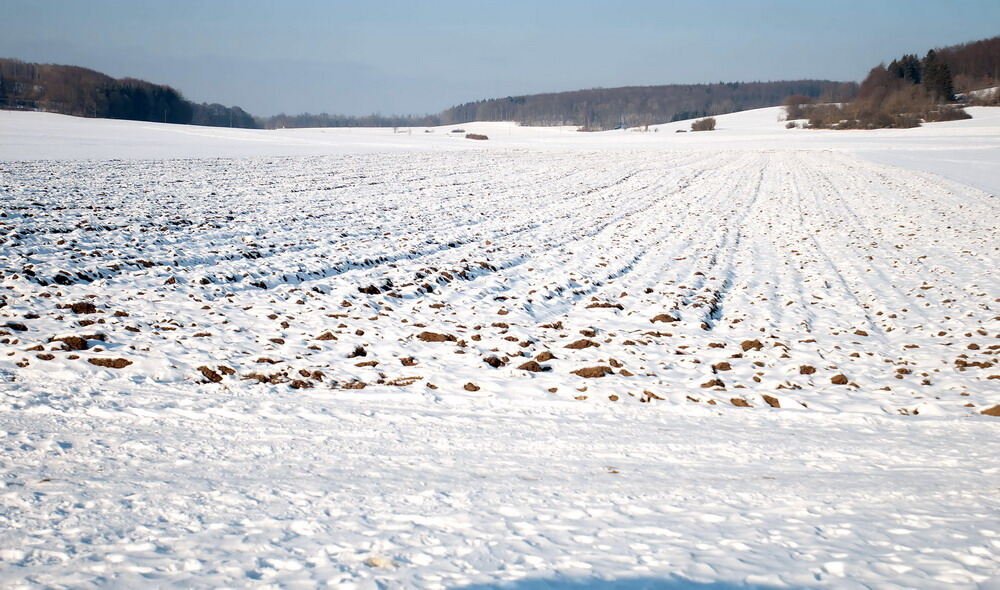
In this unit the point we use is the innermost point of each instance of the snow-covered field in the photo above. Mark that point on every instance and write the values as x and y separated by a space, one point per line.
751 357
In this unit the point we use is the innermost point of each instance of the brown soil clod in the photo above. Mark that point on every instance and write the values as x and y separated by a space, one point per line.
494 362
210 374
118 363
534 367
83 307
994 411
751 345
71 342
593 372
772 401
839 380
435 337
617 306
663 317
581 344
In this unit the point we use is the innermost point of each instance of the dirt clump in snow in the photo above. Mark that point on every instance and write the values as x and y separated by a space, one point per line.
593 372
581 344
72 342
533 367
435 337
210 374
82 307
118 363
663 317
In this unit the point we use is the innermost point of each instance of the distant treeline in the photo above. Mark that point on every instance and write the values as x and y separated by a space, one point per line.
327 120
78 91
910 90
606 108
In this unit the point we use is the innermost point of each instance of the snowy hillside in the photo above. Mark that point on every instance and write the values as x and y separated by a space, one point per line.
748 357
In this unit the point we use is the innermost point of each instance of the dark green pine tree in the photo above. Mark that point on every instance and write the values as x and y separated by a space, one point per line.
937 78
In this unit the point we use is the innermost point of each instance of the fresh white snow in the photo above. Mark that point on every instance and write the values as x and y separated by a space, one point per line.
748 357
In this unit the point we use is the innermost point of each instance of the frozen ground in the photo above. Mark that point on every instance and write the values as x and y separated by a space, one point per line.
749 357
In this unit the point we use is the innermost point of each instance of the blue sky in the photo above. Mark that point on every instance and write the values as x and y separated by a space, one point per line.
422 56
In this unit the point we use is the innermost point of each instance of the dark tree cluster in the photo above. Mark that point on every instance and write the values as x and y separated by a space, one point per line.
903 94
217 115
78 91
973 65
607 108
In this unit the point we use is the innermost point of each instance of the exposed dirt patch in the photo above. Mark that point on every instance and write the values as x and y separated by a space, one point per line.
435 337
72 342
83 307
118 363
533 367
994 411
581 344
593 372
664 317
617 306
210 374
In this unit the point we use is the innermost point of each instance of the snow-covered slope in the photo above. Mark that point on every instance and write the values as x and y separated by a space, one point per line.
965 151
554 359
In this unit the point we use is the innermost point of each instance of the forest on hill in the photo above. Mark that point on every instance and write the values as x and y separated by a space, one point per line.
911 90
606 108
73 90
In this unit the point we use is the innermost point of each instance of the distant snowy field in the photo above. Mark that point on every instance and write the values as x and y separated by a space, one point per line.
351 357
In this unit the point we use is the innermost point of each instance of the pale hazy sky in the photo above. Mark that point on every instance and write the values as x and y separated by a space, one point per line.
397 56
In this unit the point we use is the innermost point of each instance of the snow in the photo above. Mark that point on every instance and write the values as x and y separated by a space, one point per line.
796 331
